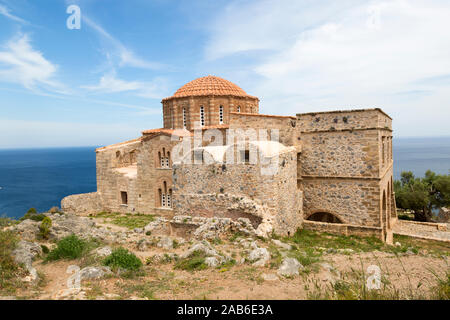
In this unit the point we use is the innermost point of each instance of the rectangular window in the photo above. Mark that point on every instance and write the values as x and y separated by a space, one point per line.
245 156
167 163
124 197
202 116
221 114
239 109
184 117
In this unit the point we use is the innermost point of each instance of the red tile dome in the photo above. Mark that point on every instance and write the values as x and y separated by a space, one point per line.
210 86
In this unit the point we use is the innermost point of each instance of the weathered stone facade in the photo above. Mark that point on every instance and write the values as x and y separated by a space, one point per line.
333 169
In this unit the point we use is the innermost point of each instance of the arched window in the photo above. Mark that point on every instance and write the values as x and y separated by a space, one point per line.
164 158
202 116
221 114
165 196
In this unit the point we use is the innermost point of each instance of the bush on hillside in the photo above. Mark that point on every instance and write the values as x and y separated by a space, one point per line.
122 258
70 247
44 228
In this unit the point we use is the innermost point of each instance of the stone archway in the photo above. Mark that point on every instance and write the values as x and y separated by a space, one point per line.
322 216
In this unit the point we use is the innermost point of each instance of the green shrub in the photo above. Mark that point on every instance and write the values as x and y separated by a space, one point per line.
44 228
70 247
45 249
122 258
195 262
33 215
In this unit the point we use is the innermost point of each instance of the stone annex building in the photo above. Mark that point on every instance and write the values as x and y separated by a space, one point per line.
334 169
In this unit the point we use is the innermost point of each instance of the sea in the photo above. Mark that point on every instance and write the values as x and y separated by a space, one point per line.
40 178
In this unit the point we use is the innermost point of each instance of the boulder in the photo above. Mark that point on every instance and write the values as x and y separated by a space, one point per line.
103 251
204 247
212 262
259 257
165 243
282 245
91 273
289 267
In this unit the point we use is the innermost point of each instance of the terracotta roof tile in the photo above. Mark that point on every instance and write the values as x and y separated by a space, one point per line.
210 86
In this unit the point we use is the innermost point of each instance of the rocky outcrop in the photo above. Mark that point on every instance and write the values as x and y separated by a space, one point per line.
24 254
64 225
213 258
199 228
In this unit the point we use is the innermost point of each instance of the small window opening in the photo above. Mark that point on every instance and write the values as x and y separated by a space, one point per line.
124 197
202 116
221 114
245 156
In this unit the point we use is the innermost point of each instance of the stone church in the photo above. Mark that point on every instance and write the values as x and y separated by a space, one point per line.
330 171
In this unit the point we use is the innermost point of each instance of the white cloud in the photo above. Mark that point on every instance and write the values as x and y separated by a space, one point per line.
21 63
109 83
4 11
124 55
321 55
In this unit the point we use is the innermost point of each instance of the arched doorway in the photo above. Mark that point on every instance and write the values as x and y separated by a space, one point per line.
324 217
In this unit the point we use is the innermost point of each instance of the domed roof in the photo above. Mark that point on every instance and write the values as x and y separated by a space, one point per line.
210 86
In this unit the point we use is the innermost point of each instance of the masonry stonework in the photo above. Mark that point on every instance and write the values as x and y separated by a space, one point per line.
333 169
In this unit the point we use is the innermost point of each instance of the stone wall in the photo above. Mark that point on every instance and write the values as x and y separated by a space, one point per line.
353 202
241 190
82 204
113 178
344 120
423 230
345 168
340 154
152 176
288 132
344 229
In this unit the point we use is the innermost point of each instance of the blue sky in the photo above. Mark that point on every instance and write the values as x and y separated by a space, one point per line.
103 83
